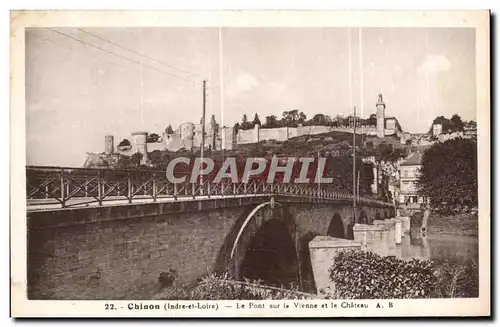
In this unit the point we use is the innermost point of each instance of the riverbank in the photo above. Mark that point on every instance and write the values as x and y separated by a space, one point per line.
465 224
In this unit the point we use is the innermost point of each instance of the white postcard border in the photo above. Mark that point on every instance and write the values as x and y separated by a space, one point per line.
248 18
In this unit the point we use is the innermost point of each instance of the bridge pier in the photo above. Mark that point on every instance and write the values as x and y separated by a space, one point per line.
406 224
374 238
322 252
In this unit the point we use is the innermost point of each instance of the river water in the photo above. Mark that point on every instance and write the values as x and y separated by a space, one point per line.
439 247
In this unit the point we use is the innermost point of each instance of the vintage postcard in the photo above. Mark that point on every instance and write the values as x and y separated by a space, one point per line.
250 163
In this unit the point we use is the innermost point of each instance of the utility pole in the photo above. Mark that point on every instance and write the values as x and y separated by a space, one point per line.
203 126
357 191
319 183
354 164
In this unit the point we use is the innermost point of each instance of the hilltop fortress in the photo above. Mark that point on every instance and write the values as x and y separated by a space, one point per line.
189 136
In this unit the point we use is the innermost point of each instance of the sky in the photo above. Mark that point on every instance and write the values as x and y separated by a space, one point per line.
84 83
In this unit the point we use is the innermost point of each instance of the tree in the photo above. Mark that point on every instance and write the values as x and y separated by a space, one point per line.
302 118
123 161
152 138
256 120
291 117
456 123
236 127
271 121
136 158
319 120
169 130
294 116
245 124
286 116
387 152
124 142
449 174
372 121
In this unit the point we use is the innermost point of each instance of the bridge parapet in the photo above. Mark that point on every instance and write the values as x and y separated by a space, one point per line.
66 187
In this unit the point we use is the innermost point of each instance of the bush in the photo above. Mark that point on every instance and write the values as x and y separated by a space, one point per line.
458 279
366 275
223 288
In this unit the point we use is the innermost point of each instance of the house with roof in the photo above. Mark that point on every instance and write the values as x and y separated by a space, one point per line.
409 172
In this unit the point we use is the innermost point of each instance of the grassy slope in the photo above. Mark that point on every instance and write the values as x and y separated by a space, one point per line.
310 144
461 224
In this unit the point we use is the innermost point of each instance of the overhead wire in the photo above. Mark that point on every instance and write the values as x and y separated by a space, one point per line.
120 56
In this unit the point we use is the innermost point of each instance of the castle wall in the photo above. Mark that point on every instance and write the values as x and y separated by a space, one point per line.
278 134
156 146
189 136
174 142
245 136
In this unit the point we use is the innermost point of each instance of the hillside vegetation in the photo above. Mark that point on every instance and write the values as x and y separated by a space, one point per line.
335 146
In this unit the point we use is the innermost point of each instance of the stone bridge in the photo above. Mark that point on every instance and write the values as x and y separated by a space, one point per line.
93 249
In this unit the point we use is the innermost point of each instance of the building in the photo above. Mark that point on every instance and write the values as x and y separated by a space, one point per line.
437 129
409 171
470 130
109 144
380 116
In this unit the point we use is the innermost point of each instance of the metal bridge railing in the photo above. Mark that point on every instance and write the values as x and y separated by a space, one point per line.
68 187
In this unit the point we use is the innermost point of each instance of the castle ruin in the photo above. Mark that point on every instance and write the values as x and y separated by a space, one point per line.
189 136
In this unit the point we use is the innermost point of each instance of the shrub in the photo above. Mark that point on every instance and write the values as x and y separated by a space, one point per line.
458 279
366 275
215 287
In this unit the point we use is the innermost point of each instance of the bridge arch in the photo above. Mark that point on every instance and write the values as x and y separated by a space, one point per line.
336 227
271 256
264 246
363 218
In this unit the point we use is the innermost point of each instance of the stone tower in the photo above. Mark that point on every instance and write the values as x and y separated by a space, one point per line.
109 145
380 116
139 145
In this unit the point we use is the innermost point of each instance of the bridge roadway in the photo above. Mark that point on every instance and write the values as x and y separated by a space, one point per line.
53 188
85 202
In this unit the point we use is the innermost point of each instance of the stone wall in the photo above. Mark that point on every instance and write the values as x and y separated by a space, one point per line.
187 139
123 258
282 133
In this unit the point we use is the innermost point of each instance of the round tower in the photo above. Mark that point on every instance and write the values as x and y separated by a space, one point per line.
109 145
139 145
380 116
